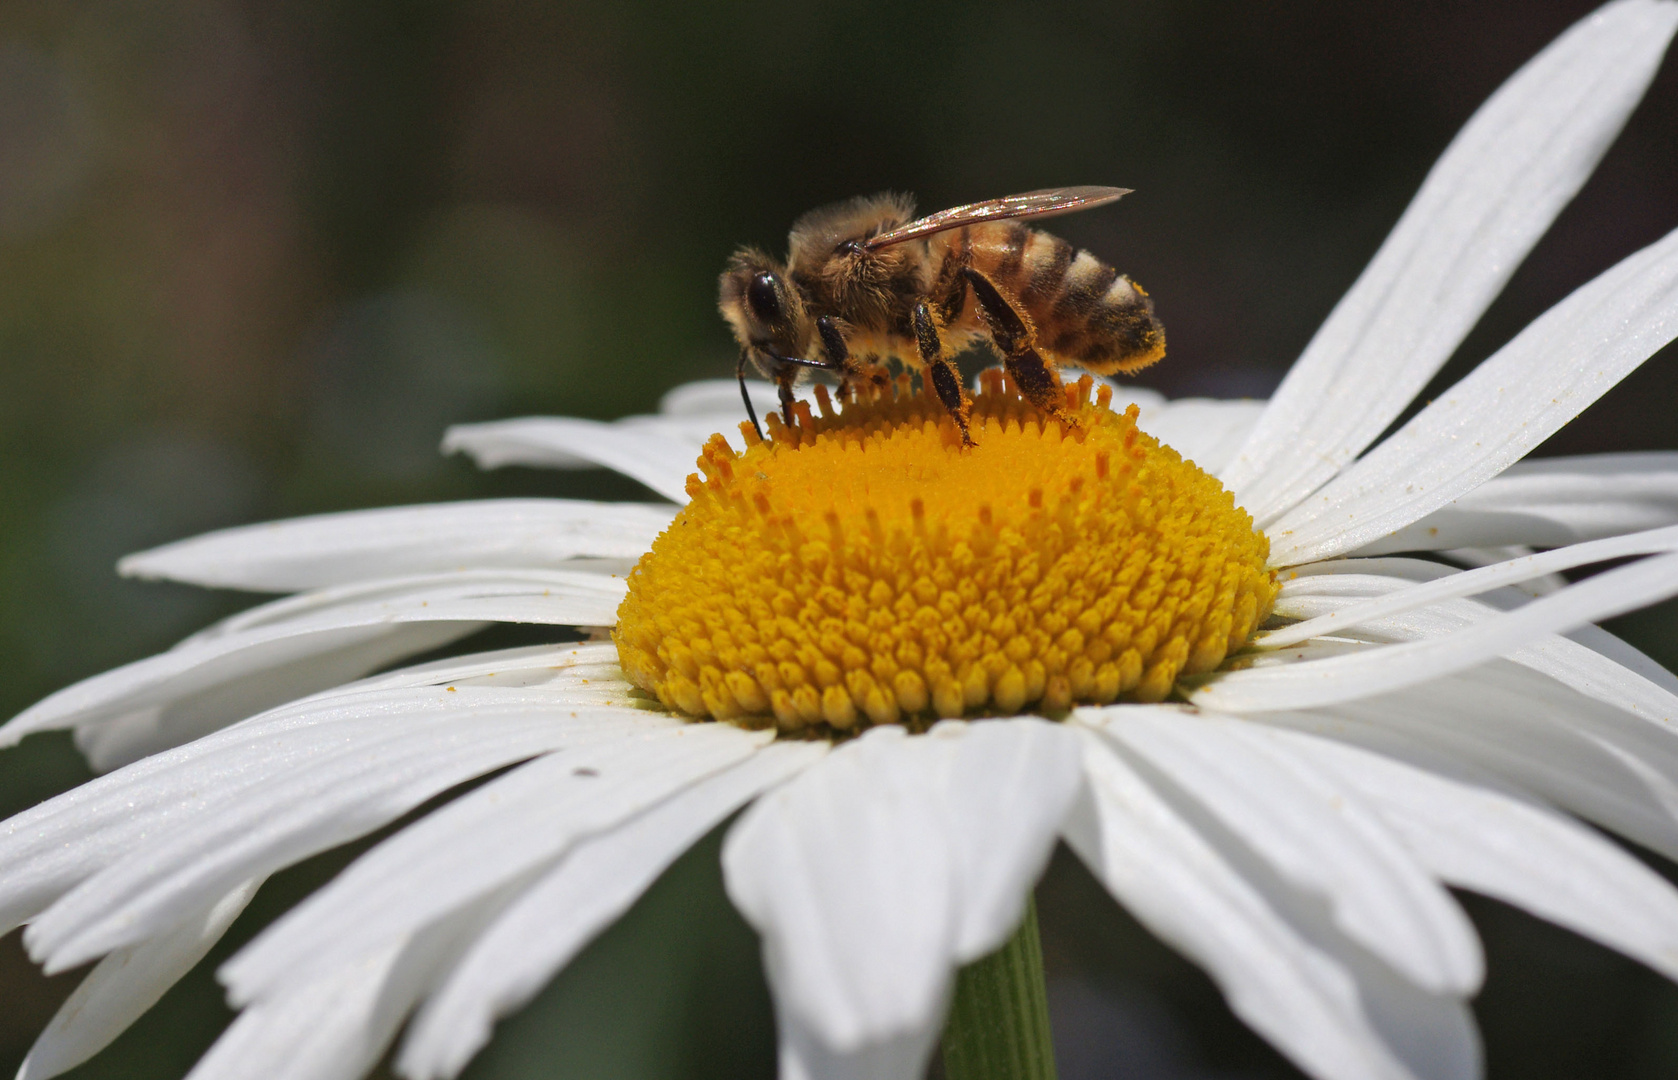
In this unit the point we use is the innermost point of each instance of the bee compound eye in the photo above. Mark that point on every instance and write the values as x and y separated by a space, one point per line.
764 297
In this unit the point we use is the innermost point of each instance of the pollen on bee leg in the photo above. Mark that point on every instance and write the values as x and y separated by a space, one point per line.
861 567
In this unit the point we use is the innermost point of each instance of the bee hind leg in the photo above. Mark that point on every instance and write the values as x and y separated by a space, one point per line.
1014 339
945 382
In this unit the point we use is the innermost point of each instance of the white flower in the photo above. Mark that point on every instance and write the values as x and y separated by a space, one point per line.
1293 830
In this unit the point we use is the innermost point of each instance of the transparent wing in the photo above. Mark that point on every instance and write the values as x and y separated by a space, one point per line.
1043 203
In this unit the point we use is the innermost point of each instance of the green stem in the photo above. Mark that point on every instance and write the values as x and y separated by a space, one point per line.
999 1022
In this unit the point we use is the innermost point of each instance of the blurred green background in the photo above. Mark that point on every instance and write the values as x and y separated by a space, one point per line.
255 256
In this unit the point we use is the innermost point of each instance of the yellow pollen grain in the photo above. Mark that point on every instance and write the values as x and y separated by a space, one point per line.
862 567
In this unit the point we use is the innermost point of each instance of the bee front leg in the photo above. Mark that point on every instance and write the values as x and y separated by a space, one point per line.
1013 338
783 383
786 373
945 382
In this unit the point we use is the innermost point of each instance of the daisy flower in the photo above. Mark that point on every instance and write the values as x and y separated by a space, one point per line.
1180 634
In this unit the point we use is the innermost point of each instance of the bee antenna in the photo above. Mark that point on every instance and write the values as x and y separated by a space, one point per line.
740 374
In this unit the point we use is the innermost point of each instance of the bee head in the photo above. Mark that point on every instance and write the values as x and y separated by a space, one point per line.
764 308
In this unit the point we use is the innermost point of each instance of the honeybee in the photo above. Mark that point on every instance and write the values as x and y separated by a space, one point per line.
862 282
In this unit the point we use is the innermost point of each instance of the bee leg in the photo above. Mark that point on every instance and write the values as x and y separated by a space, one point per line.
787 374
953 288
944 379
783 383
838 352
833 343
740 374
1013 338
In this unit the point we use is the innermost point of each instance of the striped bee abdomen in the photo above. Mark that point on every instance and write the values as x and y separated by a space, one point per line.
1085 312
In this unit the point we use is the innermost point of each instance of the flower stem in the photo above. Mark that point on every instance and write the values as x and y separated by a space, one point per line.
999 1022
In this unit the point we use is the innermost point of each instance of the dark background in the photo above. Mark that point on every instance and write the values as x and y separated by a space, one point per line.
254 257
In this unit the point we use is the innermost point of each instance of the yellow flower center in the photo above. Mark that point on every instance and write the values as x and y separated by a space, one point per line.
862 567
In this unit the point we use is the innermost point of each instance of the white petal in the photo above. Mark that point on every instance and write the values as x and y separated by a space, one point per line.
1596 675
119 740
1488 199
1599 640
1481 839
660 451
1409 571
1377 670
337 1025
1336 1014
869 880
53 846
1570 356
335 1028
1540 737
295 630
660 460
1205 431
127 983
1472 558
1590 660
1391 566
1419 570
804 1057
548 924
589 671
847 874
718 399
567 594
1007 788
1474 582
512 826
336 549
566 657
1318 835
341 790
1548 502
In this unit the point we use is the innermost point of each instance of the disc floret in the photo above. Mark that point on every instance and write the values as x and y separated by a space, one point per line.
860 566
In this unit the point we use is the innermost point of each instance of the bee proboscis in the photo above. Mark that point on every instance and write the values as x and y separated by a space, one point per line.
862 282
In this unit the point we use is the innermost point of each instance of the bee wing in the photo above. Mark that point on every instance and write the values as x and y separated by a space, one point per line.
1043 203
